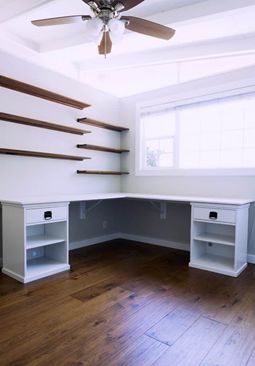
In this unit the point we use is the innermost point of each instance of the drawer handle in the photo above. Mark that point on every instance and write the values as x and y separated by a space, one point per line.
213 215
47 215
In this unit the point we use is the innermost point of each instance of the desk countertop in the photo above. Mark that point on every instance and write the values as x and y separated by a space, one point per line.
26 200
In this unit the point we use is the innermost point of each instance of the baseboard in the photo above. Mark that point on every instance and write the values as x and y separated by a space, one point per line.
125 236
93 241
156 241
251 258
140 239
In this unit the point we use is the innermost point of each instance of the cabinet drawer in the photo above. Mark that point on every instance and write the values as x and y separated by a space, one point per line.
46 214
214 214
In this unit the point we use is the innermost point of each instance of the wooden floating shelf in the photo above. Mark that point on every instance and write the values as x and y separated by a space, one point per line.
40 93
41 124
100 172
93 122
102 148
38 154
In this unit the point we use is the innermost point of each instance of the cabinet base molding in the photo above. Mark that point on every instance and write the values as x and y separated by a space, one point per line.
16 276
225 272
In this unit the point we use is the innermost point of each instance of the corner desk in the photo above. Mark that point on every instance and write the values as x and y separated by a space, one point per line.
218 238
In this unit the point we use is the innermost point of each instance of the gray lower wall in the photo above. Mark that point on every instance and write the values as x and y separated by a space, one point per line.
141 218
92 227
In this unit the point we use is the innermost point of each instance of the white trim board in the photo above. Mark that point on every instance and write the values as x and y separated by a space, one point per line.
156 241
93 241
251 258
140 239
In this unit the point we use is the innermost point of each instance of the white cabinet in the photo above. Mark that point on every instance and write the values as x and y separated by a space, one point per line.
35 240
219 235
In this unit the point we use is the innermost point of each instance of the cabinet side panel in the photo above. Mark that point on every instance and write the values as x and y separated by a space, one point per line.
241 238
14 257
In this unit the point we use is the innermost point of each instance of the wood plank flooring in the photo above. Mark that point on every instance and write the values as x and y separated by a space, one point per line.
129 304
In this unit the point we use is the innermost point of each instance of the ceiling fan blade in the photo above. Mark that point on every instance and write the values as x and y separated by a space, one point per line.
89 1
148 28
60 20
128 4
105 46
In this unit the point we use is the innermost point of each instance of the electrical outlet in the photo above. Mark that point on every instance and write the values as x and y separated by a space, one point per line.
105 224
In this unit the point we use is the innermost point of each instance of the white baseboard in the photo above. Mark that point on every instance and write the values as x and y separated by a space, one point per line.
251 258
140 239
156 241
93 241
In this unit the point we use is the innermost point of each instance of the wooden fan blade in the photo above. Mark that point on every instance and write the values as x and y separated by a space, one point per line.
105 46
128 4
60 20
88 1
148 28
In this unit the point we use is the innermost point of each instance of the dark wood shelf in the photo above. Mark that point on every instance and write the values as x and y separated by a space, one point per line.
38 154
102 148
41 124
107 126
40 93
100 172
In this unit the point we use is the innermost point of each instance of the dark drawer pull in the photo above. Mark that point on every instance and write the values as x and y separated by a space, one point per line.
47 215
213 215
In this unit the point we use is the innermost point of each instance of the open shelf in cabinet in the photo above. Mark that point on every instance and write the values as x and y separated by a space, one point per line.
213 257
37 241
46 260
213 262
214 232
216 238
44 267
41 235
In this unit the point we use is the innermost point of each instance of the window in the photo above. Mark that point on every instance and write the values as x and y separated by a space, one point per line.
158 140
215 135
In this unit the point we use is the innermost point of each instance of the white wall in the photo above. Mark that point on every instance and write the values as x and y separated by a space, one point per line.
36 176
234 186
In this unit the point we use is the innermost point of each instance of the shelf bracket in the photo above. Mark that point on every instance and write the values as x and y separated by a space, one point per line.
161 208
84 210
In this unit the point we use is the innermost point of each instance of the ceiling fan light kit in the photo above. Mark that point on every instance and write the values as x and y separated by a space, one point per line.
108 25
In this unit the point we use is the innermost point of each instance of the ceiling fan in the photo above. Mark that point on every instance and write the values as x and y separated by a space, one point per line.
108 22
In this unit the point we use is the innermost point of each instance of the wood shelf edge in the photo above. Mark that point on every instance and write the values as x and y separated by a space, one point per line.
39 154
102 148
40 124
101 172
100 124
35 91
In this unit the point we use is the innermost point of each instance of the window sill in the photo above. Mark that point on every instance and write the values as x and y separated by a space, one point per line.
197 172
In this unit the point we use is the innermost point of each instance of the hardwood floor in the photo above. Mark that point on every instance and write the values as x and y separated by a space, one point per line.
129 304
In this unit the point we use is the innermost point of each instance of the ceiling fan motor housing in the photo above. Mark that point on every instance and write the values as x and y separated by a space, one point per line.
105 10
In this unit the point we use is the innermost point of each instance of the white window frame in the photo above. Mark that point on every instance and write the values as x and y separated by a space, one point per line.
139 171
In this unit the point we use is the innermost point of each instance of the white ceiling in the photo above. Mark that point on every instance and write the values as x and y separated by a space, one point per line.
138 63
